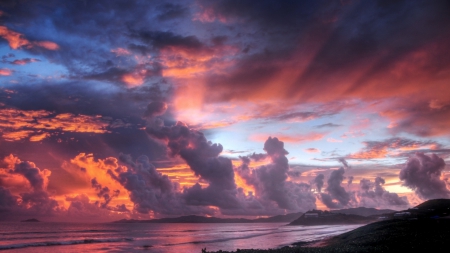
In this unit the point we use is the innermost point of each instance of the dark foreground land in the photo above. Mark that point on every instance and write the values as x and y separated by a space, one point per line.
421 235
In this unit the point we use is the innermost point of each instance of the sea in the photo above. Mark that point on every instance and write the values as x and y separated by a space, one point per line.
47 237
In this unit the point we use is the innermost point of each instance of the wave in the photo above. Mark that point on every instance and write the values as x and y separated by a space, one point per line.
272 231
59 243
62 232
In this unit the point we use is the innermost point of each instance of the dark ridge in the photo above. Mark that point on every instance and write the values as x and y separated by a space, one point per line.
30 220
201 219
363 211
317 217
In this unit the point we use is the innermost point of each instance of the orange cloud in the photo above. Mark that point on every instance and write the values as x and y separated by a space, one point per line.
181 174
16 182
133 79
16 135
17 40
18 124
47 45
84 167
14 39
5 72
370 154
39 137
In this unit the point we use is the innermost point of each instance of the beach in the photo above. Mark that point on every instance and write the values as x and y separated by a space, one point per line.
384 236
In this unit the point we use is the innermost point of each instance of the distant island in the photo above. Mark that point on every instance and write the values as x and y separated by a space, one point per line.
201 219
31 220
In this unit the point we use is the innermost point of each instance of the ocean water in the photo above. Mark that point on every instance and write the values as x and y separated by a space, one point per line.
122 237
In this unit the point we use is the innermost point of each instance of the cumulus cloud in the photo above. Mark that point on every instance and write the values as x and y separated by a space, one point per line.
372 194
270 181
150 191
336 195
35 201
422 173
318 181
203 158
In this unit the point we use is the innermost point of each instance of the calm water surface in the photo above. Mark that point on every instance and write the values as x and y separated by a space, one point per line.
116 237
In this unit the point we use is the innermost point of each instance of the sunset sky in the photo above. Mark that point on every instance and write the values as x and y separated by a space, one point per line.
227 108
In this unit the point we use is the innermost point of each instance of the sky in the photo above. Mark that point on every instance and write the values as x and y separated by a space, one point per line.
116 109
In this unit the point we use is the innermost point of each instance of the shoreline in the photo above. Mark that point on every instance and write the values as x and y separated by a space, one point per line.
384 236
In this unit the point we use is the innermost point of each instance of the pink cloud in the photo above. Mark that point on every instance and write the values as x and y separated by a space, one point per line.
289 138
17 40
333 140
312 150
5 72
120 51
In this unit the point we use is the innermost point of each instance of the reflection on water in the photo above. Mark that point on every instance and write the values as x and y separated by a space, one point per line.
116 237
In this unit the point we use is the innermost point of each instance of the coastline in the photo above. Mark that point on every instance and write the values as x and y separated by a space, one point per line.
382 236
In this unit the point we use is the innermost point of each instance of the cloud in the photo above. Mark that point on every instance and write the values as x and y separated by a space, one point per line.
120 51
422 173
270 181
17 40
312 150
35 201
295 138
393 147
336 196
37 178
24 61
203 158
5 72
333 140
372 194
150 191
318 181
422 118
18 124
155 109
328 125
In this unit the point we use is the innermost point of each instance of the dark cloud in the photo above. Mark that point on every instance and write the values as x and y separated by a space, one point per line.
340 39
8 202
155 109
344 162
171 11
422 173
328 125
349 180
159 40
336 195
150 190
318 181
203 158
32 174
270 181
